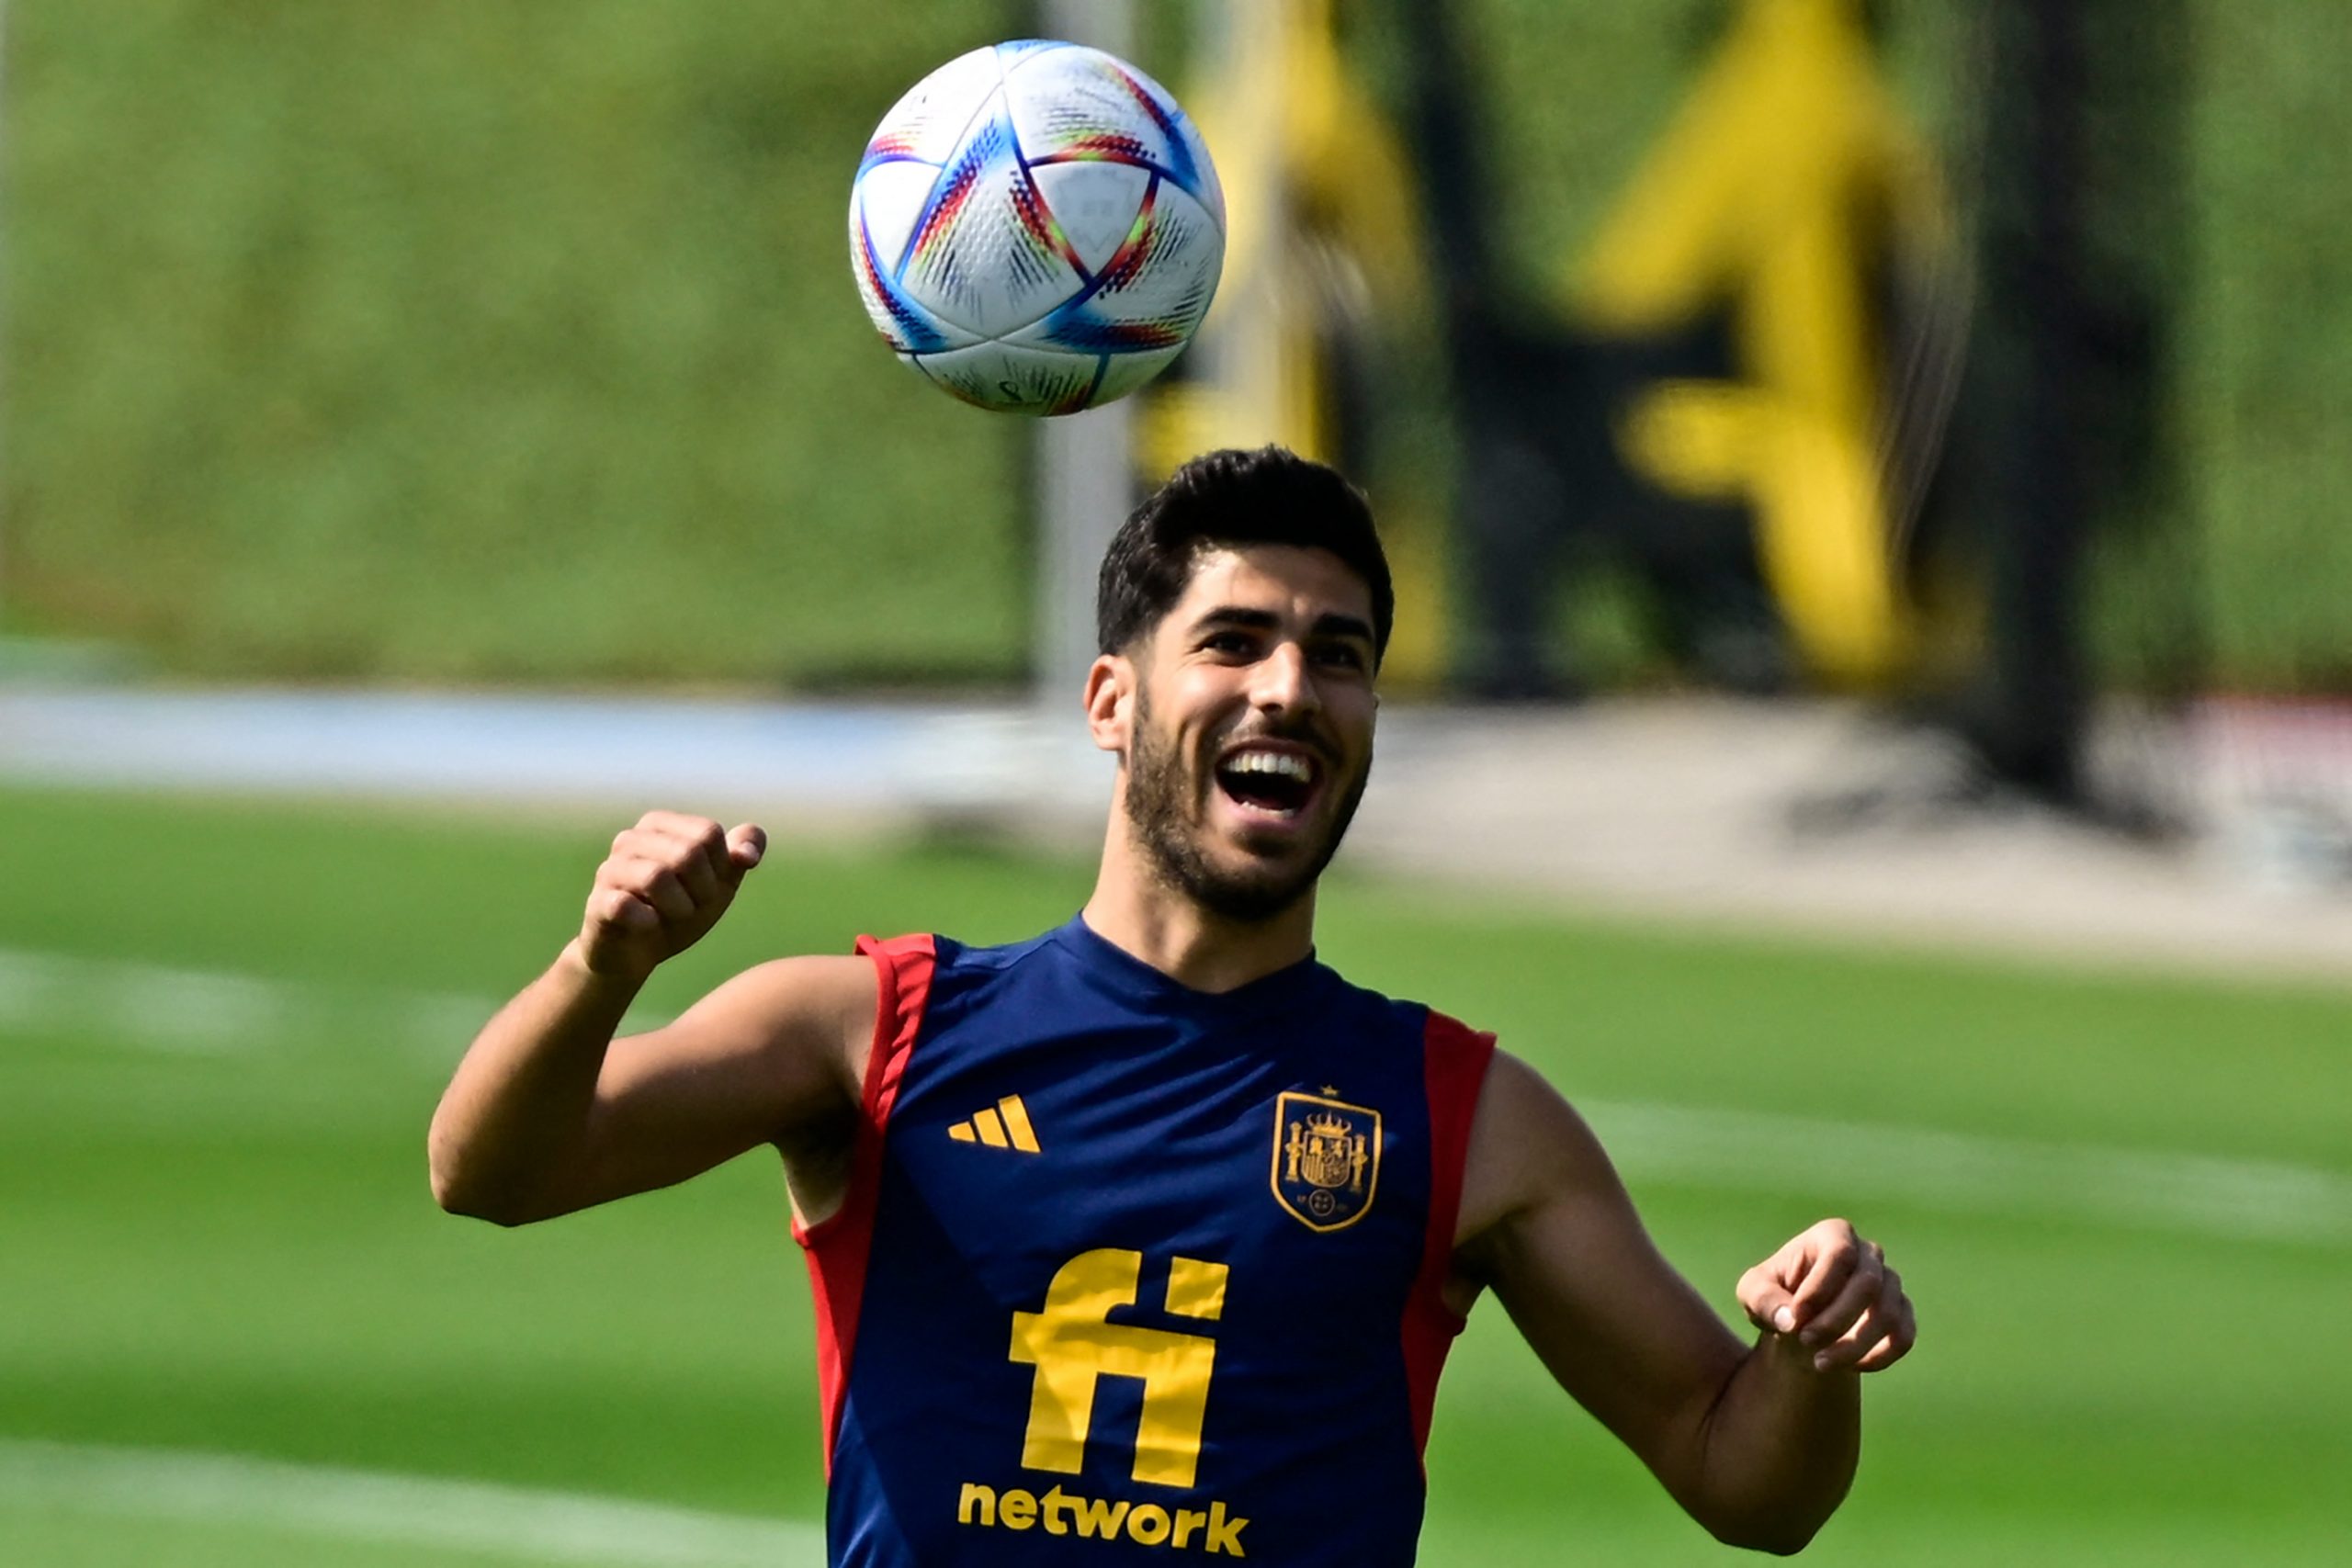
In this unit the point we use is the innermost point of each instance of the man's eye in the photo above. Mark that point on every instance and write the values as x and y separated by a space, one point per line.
1340 656
1227 642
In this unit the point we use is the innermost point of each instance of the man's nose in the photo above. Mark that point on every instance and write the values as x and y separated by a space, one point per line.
1283 680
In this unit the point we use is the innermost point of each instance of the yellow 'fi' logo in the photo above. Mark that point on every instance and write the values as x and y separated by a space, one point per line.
1327 1159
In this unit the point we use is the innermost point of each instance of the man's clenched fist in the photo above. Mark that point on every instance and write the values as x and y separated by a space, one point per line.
666 882
1832 1292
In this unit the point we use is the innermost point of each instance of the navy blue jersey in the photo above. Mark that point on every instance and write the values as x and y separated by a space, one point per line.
1128 1269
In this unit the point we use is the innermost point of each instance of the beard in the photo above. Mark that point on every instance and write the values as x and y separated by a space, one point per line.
1160 800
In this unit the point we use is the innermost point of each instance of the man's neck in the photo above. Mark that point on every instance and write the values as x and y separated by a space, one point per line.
1139 914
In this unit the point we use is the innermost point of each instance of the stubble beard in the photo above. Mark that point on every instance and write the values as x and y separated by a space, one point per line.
1160 798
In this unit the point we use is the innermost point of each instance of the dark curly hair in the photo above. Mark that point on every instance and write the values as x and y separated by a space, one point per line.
1225 498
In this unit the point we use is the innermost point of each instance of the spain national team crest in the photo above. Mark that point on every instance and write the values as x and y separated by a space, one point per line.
1327 1159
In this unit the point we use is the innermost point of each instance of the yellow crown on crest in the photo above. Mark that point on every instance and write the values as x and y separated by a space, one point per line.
1329 1126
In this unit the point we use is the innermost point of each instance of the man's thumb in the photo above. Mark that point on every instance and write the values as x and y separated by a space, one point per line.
746 843
1768 1304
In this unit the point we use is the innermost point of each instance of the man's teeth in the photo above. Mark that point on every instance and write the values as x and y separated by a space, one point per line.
1281 762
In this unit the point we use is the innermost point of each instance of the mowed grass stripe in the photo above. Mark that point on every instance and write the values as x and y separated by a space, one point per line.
358 1504
182 1010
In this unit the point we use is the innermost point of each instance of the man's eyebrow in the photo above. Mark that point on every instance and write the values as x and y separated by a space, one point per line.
1335 625
1235 615
1331 624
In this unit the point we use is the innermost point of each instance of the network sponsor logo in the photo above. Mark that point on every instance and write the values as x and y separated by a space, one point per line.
1214 1530
1073 1345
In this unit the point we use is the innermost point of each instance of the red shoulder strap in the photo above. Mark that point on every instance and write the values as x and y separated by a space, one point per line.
1453 1065
838 1245
905 965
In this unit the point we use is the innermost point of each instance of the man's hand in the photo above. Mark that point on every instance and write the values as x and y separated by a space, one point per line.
1832 1292
665 883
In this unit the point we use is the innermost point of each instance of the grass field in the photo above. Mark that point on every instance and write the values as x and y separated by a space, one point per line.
223 1028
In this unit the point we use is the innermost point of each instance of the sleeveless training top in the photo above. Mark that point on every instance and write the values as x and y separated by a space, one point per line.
1129 1272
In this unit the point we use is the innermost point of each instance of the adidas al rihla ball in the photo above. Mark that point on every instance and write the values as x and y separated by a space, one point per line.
1037 228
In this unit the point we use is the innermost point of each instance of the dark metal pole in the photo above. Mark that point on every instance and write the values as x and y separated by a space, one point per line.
2029 363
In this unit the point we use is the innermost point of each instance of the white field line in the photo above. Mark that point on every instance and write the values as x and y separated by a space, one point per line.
406 1510
1858 1164
1847 1163
208 1012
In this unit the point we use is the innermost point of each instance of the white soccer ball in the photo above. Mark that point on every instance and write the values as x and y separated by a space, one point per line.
1035 227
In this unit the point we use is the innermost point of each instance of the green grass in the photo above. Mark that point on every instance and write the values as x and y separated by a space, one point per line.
516 341
234 1251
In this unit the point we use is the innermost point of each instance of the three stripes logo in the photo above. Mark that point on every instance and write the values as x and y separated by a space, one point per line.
1004 1126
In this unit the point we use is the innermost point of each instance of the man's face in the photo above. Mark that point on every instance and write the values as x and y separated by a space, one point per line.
1251 734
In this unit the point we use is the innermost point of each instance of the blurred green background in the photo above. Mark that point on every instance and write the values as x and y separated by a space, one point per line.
219 1238
512 343
516 342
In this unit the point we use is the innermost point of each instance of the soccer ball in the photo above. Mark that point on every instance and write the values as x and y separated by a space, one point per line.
1035 228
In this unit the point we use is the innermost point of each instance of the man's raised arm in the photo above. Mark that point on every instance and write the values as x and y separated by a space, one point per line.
546 1114
1757 1443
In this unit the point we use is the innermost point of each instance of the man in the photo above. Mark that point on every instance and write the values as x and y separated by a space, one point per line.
1151 1233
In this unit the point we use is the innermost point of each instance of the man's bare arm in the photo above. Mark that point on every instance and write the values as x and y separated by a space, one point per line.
1759 1442
548 1113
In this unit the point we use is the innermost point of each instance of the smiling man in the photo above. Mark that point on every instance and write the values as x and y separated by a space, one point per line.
1150 1234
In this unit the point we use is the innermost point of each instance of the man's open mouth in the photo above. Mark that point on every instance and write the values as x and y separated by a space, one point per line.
1269 781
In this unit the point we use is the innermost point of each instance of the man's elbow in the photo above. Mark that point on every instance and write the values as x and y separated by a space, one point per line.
1779 1538
1782 1530
460 1191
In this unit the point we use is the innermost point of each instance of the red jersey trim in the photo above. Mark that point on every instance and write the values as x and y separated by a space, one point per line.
1454 1065
838 1245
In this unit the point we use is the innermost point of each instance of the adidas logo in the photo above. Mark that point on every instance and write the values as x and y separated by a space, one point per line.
1006 1127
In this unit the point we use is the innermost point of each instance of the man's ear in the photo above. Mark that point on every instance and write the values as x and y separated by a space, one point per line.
1110 701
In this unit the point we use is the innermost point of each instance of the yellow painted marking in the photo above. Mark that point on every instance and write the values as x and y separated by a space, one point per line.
1787 167
992 1130
1196 1289
961 1132
1016 1121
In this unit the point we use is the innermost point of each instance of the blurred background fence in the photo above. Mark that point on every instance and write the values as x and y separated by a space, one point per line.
515 342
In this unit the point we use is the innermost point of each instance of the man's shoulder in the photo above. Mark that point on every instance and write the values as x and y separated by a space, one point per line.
979 960
1442 1029
927 968
943 951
